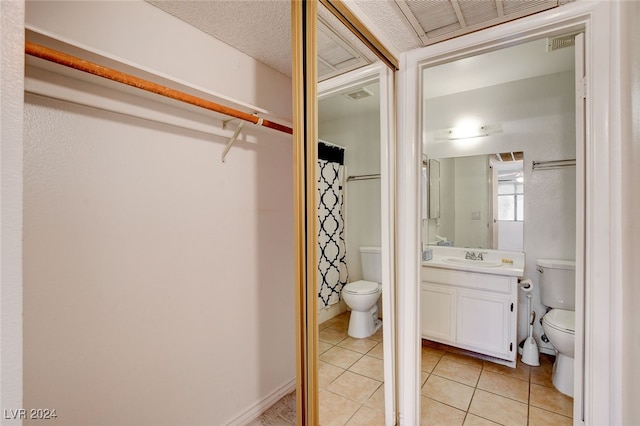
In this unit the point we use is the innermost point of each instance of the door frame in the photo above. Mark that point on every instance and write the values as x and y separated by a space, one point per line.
596 405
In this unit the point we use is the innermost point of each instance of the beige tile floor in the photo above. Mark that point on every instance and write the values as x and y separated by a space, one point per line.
457 388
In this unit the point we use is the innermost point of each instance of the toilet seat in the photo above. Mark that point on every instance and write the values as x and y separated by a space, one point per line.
361 287
561 320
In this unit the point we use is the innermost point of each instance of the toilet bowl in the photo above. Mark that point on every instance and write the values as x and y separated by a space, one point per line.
362 297
559 327
557 280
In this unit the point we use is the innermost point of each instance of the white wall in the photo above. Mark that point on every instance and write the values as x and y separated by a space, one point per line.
630 155
537 116
359 133
11 106
158 281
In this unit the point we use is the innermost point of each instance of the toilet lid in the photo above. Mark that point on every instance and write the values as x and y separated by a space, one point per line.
361 287
561 320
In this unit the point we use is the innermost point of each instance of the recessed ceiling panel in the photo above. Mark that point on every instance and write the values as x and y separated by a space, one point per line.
438 20
433 15
331 52
477 12
443 31
335 54
517 6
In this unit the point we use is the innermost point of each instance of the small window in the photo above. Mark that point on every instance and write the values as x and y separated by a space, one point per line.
511 201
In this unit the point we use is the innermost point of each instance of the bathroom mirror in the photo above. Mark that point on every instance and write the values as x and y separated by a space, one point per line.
311 386
480 202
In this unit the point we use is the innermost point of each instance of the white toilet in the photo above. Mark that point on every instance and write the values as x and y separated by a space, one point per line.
557 288
362 296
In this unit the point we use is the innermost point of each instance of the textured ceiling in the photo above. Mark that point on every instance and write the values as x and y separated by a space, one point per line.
390 24
262 28
259 28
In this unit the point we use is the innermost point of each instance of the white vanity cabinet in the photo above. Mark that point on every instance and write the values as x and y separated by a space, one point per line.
470 310
437 313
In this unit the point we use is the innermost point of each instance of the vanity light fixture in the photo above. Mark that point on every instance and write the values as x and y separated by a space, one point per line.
468 132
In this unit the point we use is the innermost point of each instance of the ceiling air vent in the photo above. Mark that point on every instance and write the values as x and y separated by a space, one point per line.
359 94
559 42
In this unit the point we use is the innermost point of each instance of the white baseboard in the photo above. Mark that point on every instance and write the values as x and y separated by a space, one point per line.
332 311
263 405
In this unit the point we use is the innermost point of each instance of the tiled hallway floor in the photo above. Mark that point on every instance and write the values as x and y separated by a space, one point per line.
456 388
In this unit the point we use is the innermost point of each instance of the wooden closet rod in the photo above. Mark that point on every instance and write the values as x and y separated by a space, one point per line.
61 58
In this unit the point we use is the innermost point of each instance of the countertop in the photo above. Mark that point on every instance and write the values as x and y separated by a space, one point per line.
442 254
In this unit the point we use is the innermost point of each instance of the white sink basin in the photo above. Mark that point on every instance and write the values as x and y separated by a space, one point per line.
469 262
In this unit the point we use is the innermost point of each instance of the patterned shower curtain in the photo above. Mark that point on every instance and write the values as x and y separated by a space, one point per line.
332 265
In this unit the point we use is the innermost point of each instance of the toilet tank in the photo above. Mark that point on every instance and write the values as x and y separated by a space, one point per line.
557 280
371 263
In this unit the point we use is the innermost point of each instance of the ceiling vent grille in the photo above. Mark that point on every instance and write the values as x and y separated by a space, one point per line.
559 42
438 20
359 94
335 54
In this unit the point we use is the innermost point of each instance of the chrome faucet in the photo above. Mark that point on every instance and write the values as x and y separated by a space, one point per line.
471 255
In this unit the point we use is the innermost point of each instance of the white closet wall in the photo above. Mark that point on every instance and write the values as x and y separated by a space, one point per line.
158 281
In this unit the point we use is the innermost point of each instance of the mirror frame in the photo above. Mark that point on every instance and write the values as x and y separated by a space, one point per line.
305 133
305 136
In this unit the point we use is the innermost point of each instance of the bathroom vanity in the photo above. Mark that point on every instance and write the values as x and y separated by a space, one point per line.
469 299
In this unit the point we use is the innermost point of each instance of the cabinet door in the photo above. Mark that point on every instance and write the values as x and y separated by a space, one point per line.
484 323
437 312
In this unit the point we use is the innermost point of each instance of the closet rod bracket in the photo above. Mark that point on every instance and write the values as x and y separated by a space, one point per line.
226 122
232 140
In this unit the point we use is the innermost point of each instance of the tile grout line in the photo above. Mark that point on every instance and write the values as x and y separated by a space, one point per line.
362 355
472 396
529 399
444 354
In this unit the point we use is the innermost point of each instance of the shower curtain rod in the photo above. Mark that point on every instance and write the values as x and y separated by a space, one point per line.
74 62
363 177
